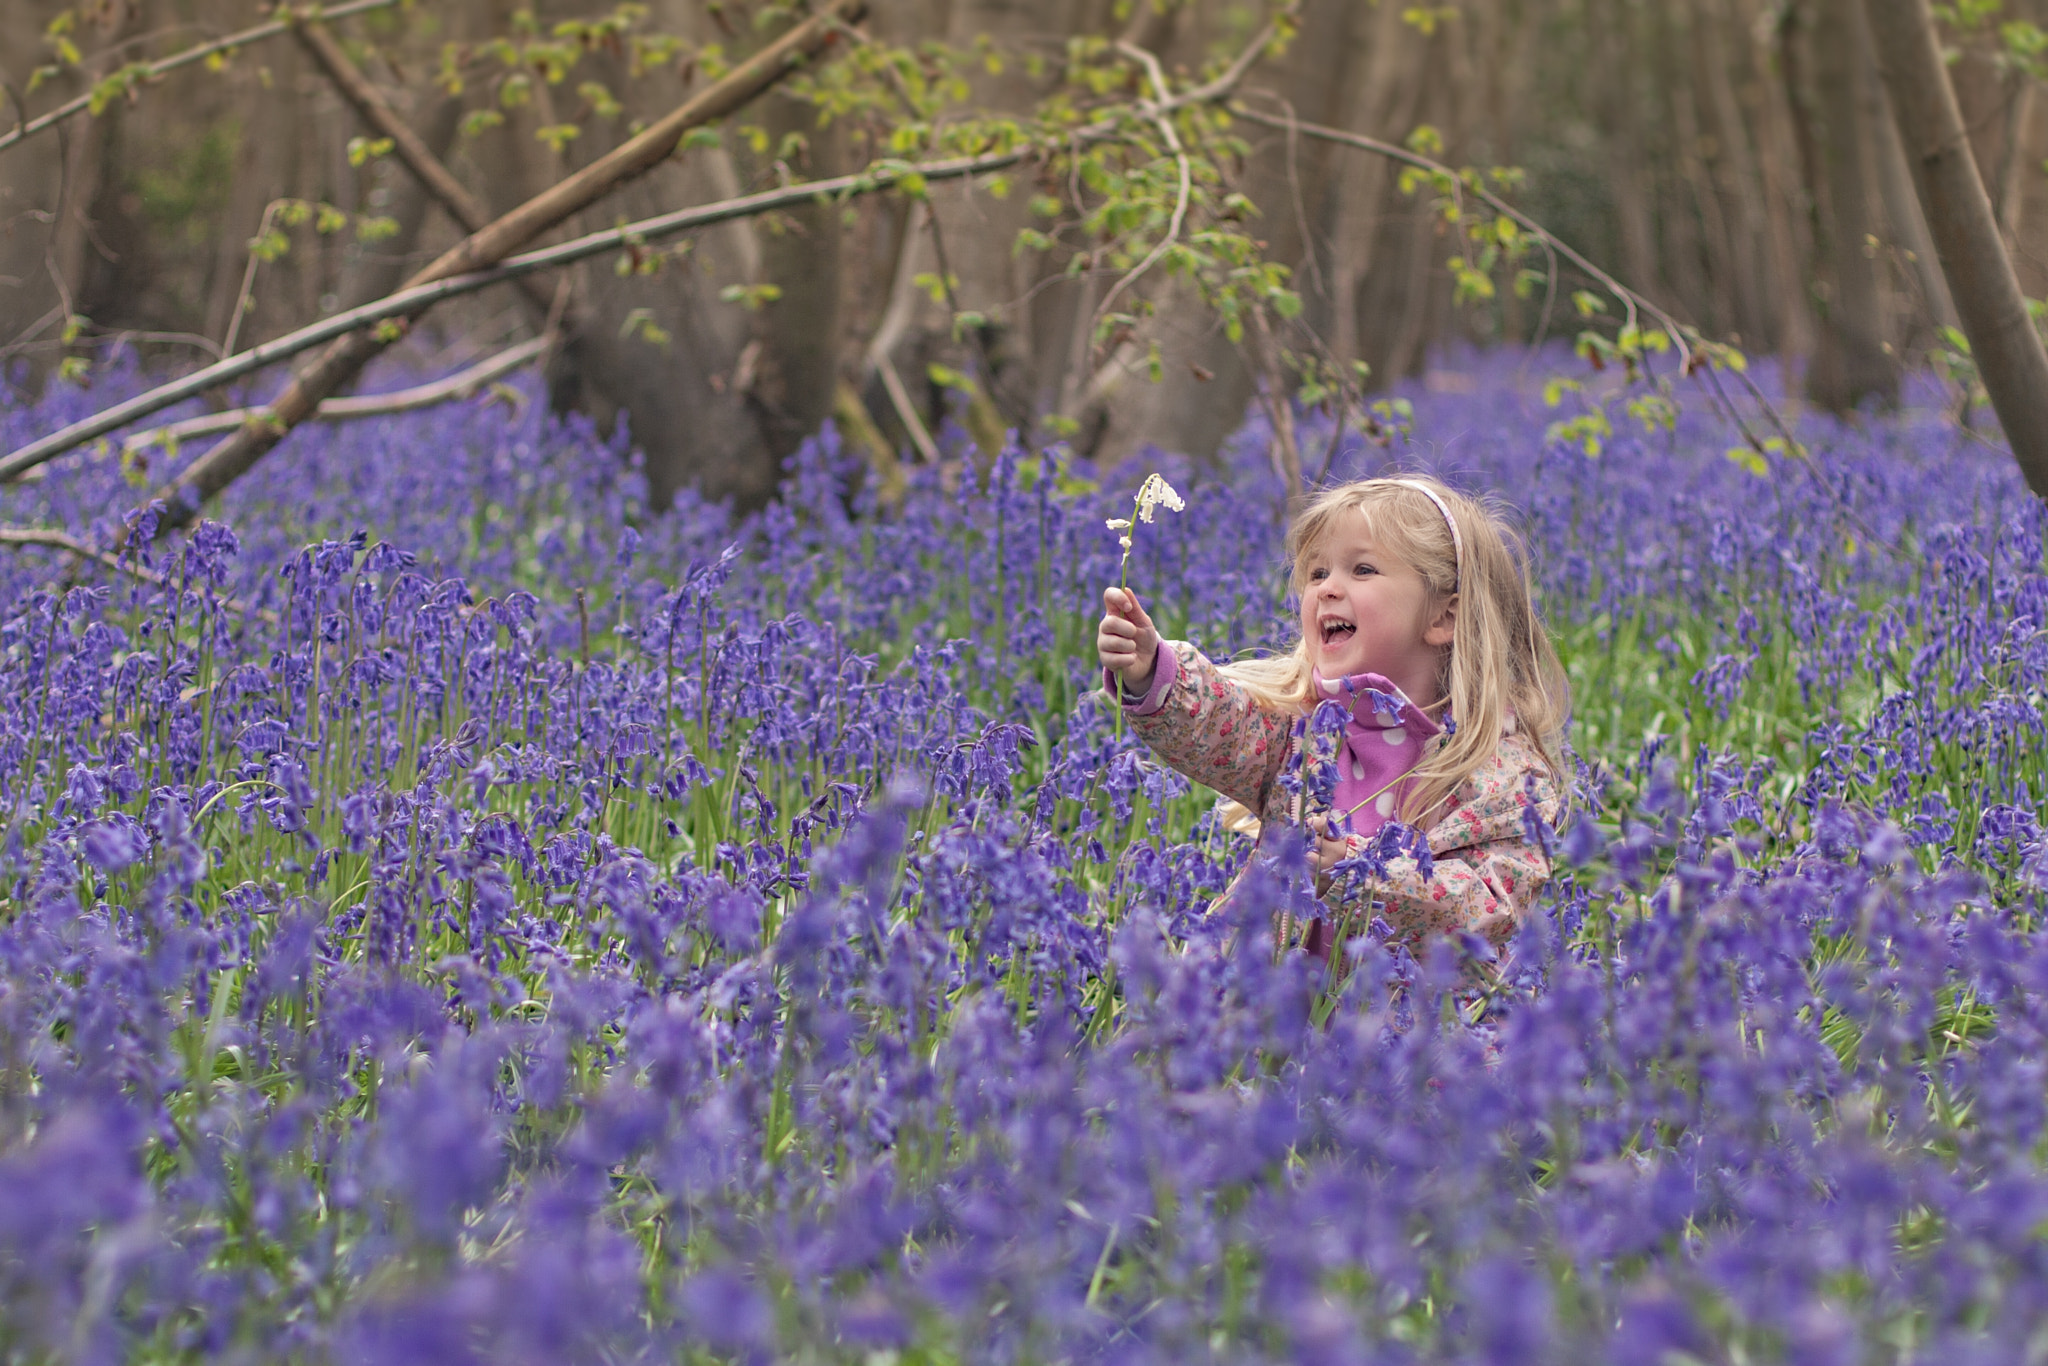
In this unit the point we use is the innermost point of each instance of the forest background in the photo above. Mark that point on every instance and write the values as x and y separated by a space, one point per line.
1732 161
449 913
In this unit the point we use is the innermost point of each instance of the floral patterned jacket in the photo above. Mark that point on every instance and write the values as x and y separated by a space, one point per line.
1486 873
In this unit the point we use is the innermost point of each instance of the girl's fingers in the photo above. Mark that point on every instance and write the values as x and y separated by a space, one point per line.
1122 602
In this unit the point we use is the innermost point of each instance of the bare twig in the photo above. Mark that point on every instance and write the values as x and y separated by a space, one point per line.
143 73
906 411
227 346
1161 97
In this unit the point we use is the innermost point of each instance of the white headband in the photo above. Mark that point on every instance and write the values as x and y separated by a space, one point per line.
1457 541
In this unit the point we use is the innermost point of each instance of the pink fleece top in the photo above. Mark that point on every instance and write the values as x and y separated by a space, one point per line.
1383 741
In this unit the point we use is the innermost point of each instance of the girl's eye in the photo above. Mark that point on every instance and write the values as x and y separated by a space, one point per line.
1318 575
1363 570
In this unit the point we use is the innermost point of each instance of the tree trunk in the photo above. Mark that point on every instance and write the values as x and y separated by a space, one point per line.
1907 225
1716 264
1759 275
1628 170
47 191
1851 362
797 374
1994 316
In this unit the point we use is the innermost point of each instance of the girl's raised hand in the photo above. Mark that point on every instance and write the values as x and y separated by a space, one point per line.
1126 641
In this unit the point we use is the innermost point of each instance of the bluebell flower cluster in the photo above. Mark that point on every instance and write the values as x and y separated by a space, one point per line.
450 915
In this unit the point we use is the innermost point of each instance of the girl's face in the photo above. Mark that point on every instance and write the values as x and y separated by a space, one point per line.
1364 610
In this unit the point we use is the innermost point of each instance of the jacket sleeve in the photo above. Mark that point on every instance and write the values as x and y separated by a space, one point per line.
1485 874
1207 727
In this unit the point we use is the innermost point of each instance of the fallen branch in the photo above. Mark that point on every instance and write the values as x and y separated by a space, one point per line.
141 73
418 298
71 545
456 386
343 361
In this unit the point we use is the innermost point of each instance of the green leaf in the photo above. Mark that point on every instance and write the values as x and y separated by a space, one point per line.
600 98
558 135
1750 459
361 150
640 323
751 297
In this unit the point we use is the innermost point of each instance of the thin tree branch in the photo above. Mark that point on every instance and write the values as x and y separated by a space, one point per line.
376 111
1689 362
141 73
1628 298
459 385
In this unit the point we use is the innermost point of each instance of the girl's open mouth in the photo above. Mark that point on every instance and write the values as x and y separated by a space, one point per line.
1338 630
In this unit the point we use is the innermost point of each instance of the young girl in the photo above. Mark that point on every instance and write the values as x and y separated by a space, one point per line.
1416 612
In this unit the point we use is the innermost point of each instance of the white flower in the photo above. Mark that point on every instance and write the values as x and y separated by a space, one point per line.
1118 524
1155 492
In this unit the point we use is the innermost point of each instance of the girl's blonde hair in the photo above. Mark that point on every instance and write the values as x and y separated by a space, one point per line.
1500 664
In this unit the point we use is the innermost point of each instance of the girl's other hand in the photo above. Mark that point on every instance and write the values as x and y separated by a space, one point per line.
1330 849
1126 641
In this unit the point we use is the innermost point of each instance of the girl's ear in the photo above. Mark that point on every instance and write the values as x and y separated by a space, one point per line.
1443 628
